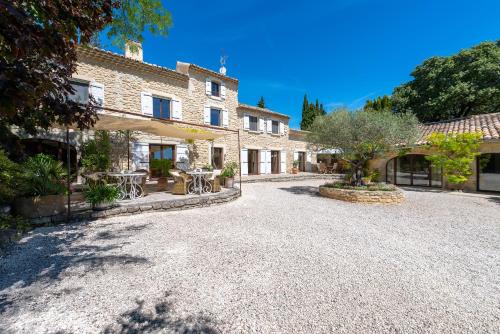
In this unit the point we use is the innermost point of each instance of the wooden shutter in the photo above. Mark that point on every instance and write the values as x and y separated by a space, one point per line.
283 162
309 161
268 162
177 110
244 161
97 91
282 128
269 126
261 124
246 122
263 162
140 156
225 118
206 115
295 155
147 103
181 152
208 87
223 90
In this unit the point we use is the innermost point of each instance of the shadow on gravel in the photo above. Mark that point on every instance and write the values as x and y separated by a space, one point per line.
302 190
494 199
45 256
160 319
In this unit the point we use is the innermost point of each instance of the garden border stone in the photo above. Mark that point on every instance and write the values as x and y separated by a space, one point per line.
363 196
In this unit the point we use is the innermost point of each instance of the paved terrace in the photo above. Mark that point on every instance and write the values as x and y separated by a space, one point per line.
280 259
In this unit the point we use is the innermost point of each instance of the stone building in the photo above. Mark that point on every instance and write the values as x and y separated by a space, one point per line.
191 97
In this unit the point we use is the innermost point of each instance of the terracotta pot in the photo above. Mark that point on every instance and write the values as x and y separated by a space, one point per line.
295 170
229 182
42 206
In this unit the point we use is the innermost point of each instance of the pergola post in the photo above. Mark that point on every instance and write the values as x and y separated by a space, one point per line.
68 181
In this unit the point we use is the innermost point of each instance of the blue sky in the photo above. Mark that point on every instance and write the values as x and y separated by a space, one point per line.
341 52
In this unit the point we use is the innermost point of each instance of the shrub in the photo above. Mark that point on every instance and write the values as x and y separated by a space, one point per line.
98 193
9 178
96 153
42 175
229 169
162 166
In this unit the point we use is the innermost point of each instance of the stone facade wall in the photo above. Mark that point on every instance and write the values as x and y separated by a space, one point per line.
471 185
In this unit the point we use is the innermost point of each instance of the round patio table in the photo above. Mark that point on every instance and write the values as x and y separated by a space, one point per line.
199 184
129 184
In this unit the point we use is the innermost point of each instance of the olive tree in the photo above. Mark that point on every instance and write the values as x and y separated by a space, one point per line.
361 135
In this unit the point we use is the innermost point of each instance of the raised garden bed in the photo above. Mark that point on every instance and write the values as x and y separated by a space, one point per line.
376 193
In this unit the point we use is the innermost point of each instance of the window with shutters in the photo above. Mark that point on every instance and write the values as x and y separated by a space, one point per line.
81 92
215 117
253 122
161 108
275 127
215 89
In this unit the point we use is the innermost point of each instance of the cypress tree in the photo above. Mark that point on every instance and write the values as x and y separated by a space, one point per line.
261 103
304 123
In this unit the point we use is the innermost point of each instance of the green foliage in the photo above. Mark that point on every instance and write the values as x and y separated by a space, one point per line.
383 103
9 178
42 175
361 136
99 193
96 153
467 83
295 163
133 17
8 221
309 112
261 103
208 167
370 187
454 153
162 166
229 169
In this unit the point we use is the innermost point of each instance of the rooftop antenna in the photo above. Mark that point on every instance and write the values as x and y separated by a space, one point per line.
223 59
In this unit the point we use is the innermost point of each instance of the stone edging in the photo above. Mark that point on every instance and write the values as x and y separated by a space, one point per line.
297 177
133 209
363 196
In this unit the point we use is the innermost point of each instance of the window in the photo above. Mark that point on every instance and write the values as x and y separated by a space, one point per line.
217 157
253 123
161 159
414 170
81 94
489 172
161 108
275 127
215 88
215 117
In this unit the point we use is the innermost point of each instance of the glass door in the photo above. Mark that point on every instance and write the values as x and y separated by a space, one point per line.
161 159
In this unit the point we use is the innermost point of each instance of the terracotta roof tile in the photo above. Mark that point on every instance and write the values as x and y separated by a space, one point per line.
488 124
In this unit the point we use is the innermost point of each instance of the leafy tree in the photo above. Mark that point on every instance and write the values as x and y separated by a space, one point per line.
466 83
454 153
132 17
96 153
38 41
309 112
261 103
9 178
361 136
379 104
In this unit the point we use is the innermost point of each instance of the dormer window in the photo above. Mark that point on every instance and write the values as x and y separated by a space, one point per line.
215 90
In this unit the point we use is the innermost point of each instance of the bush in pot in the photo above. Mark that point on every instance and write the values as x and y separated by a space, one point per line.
101 195
228 174
42 186
295 166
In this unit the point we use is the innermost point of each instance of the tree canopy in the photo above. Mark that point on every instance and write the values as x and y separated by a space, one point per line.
383 103
261 103
361 136
309 112
442 88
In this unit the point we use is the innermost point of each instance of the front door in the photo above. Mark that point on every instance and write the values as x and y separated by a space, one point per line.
253 162
275 162
161 159
302 161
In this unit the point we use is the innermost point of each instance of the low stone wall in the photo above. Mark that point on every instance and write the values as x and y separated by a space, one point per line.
133 209
363 196
290 177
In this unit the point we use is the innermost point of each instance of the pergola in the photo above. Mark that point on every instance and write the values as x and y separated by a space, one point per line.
117 120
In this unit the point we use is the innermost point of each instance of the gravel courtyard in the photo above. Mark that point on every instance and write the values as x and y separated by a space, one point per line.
278 260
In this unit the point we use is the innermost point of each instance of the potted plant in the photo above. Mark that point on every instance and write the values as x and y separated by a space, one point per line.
295 166
161 169
228 174
101 196
42 186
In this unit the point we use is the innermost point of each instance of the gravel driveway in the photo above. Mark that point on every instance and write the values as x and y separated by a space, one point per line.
278 260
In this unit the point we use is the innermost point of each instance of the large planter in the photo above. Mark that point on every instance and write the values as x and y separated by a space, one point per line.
229 182
42 206
363 196
295 170
102 206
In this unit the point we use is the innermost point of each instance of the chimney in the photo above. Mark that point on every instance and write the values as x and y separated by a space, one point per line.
133 50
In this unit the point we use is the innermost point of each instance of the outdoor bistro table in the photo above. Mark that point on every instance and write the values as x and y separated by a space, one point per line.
129 184
199 184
